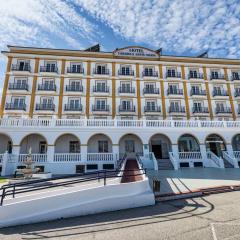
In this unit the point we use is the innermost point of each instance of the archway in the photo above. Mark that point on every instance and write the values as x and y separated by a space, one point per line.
160 145
99 143
5 144
130 143
67 143
215 144
36 142
188 143
236 142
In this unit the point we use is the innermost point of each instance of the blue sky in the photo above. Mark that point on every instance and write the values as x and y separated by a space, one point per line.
180 27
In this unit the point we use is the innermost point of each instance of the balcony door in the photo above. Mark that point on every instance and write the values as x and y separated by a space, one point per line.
74 103
101 104
101 69
23 64
126 104
50 66
193 73
125 70
47 101
18 101
126 87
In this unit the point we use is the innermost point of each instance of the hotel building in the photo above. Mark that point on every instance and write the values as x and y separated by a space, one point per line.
84 110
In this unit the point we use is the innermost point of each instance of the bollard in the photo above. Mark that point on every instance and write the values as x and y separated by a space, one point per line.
156 185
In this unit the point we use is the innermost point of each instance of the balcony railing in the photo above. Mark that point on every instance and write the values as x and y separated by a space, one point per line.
220 93
151 91
18 67
217 76
127 109
174 91
223 110
173 75
75 70
195 76
47 87
73 107
237 92
122 72
101 72
74 88
150 74
18 86
177 109
99 108
52 69
126 90
98 89
235 77
152 109
200 110
45 107
13 106
198 92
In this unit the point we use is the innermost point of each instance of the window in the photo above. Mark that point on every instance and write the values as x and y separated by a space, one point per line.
101 69
125 70
126 87
193 73
23 65
101 104
20 81
220 106
173 88
149 87
148 71
175 105
75 84
214 74
42 147
74 147
126 104
76 67
74 102
48 84
196 89
197 105
151 105
100 86
102 146
47 101
50 66
171 72
18 101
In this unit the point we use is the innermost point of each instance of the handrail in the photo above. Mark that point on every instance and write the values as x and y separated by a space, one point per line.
173 160
12 189
116 123
230 158
217 160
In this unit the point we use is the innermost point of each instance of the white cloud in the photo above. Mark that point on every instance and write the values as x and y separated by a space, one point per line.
176 25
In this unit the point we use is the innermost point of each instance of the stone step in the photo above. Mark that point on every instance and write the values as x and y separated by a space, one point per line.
164 164
227 164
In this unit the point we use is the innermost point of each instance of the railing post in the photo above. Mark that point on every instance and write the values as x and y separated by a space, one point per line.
105 173
3 196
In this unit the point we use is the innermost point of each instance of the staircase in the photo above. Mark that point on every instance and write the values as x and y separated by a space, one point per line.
164 164
227 164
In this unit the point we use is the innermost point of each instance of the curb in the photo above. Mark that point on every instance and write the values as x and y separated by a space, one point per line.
196 193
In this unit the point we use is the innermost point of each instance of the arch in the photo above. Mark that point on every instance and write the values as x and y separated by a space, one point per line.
160 144
99 143
36 141
67 143
215 143
188 143
236 142
5 143
130 143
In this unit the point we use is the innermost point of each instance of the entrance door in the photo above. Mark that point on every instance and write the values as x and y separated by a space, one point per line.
157 150
129 146
214 148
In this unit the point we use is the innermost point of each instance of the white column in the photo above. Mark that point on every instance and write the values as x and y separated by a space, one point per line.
50 153
203 151
16 150
84 154
115 150
230 149
146 150
4 164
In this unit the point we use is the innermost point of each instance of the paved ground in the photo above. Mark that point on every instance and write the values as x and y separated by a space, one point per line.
190 179
215 217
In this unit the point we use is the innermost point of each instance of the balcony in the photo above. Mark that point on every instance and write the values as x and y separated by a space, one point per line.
51 69
18 86
126 90
151 91
237 92
177 109
150 74
100 108
74 88
101 71
198 92
122 72
195 76
126 109
97 89
18 67
152 109
174 91
173 75
223 110
200 110
45 107
47 87
220 93
79 70
217 76
13 106
73 107
235 77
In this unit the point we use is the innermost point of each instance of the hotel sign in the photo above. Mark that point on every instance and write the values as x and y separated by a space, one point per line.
136 52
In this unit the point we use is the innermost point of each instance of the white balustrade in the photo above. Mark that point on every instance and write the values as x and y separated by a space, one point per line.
36 157
229 158
190 155
117 123
237 154
67 157
217 160
95 157
173 160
